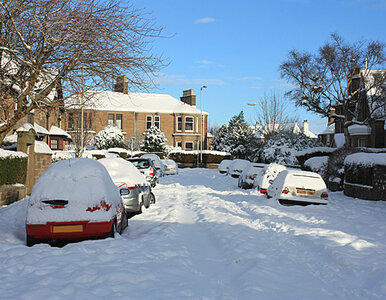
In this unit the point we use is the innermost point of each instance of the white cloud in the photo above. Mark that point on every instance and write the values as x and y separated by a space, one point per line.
204 20
166 79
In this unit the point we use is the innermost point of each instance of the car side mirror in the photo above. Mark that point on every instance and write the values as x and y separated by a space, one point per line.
270 181
124 192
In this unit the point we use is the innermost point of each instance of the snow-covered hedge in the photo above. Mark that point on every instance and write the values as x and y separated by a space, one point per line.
317 164
62 155
365 159
13 167
208 156
305 154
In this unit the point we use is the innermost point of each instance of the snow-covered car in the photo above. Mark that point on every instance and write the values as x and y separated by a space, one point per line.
269 173
147 168
134 189
223 166
298 188
171 167
72 200
160 167
237 166
249 174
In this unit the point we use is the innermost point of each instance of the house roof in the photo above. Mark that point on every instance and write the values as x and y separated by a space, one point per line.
56 131
133 102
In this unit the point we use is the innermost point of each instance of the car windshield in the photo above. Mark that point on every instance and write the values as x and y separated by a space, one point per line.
140 164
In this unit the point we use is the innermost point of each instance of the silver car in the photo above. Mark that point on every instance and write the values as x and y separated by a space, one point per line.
147 168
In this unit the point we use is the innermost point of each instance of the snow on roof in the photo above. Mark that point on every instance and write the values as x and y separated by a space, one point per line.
60 132
339 139
220 153
118 150
359 129
123 171
42 147
134 102
366 159
40 129
11 139
12 154
330 129
25 127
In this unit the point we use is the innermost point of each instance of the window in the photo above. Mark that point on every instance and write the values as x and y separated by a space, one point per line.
362 142
70 120
179 123
196 124
189 123
54 144
118 121
189 146
110 119
157 122
149 121
179 144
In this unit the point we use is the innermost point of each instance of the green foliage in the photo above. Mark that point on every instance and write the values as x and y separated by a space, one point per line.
359 174
13 170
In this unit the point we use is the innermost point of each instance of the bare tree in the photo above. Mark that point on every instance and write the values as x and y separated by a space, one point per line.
273 112
340 75
49 46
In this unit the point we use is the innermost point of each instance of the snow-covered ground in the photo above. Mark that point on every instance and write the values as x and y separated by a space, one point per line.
206 239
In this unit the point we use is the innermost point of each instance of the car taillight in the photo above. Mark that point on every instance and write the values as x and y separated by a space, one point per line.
285 191
151 172
263 191
131 188
324 195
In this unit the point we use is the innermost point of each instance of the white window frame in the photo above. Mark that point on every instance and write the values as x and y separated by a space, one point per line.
116 120
191 130
186 148
110 122
197 130
179 130
159 122
151 121
179 144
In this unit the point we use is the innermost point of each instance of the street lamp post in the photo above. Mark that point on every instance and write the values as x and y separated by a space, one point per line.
82 116
202 124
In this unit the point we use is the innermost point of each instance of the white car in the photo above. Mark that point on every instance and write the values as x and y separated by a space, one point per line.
158 164
292 187
249 174
223 166
237 166
269 173
134 189
171 167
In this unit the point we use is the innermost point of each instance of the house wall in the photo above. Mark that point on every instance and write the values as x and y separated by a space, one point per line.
135 123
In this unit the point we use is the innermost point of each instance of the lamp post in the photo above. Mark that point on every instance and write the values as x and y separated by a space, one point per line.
202 124
265 112
82 116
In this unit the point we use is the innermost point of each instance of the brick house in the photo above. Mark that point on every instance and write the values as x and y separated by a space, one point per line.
372 135
133 113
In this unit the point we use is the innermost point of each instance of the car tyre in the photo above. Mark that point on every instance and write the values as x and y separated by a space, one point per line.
112 230
30 241
152 198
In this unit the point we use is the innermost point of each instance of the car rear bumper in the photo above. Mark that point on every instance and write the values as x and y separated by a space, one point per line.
302 201
69 230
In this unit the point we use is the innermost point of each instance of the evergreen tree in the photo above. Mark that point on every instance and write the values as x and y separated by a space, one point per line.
218 142
154 141
109 137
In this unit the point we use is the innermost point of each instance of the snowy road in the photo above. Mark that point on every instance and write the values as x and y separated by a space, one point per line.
207 239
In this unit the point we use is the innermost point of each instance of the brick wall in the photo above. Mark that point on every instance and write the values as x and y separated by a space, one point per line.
42 162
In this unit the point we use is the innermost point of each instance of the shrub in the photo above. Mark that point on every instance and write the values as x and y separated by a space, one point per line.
13 167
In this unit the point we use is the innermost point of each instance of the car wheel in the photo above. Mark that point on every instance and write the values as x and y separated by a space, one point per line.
112 231
125 222
147 204
140 209
152 198
30 241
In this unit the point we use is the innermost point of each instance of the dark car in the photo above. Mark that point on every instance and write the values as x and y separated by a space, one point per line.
147 168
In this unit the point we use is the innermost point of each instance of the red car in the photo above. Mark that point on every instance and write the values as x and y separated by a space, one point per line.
74 200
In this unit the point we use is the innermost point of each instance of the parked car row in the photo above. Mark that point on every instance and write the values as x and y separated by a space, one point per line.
81 198
287 186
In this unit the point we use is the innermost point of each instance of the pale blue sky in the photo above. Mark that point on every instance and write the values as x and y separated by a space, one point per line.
236 47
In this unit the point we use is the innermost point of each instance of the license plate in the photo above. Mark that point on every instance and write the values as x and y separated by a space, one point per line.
67 228
305 192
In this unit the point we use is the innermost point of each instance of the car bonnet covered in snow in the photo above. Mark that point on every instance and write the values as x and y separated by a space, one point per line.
84 183
123 172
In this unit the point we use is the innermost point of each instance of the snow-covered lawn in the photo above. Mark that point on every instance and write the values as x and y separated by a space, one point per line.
206 239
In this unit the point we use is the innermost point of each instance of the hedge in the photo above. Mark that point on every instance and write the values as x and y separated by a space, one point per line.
13 170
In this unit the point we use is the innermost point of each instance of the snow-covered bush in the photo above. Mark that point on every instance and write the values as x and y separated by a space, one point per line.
317 164
282 147
235 138
109 137
62 155
154 140
13 167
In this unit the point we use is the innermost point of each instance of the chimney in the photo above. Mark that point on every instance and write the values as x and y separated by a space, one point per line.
121 85
188 97
305 126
